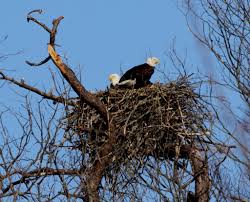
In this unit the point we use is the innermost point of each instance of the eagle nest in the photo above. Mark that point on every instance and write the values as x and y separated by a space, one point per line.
149 121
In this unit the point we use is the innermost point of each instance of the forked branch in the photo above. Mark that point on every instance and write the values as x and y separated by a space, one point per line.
70 76
67 72
52 33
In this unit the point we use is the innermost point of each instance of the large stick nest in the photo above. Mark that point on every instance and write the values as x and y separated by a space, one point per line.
149 120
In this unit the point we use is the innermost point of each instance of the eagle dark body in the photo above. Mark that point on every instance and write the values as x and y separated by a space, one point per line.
142 73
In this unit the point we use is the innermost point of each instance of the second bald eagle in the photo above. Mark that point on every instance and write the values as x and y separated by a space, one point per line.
138 76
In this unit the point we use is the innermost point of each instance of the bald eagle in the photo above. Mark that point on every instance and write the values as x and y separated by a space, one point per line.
138 76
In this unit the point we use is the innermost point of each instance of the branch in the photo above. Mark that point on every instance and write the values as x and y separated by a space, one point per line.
70 76
49 96
29 17
52 32
41 172
50 171
95 172
39 63
67 73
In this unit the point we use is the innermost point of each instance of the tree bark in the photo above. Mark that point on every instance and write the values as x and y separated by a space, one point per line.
200 172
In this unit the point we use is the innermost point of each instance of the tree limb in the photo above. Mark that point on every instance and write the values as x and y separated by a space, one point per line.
41 172
49 96
70 76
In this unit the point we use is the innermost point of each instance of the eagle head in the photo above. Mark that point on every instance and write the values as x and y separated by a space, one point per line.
153 61
114 79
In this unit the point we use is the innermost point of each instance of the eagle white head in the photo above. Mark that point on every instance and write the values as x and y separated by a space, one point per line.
114 79
153 61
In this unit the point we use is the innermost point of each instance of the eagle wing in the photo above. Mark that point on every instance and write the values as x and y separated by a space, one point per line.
142 73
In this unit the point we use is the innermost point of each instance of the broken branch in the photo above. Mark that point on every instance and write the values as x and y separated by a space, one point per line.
52 32
70 76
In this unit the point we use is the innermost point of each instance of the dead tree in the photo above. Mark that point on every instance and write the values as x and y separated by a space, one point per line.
119 141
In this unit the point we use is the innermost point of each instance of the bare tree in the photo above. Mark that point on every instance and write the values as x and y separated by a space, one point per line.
225 31
223 27
154 143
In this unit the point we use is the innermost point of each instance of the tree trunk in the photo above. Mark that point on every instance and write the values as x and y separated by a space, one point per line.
200 173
